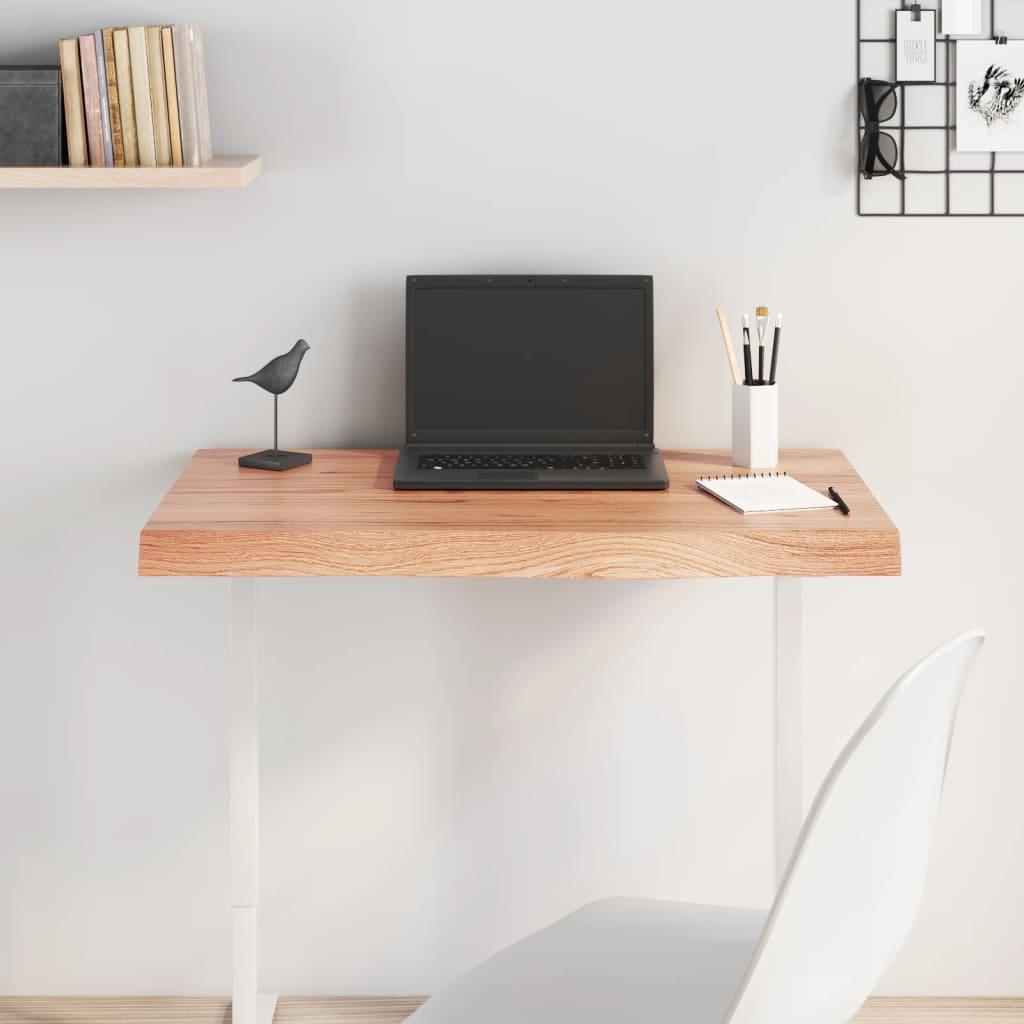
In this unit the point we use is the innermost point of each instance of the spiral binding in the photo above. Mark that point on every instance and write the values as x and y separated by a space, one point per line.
744 476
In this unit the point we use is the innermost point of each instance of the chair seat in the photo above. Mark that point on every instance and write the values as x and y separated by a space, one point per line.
611 962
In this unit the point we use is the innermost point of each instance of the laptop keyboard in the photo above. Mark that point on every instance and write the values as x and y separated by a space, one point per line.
513 460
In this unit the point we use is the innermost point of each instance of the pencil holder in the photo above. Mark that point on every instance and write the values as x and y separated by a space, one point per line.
755 425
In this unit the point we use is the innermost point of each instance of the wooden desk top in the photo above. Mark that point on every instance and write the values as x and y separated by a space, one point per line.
340 517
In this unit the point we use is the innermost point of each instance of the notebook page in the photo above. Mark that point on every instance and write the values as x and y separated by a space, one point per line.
764 492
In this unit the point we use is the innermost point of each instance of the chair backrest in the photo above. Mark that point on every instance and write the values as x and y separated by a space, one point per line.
854 884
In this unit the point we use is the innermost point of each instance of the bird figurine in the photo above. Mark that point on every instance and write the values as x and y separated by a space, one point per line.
279 374
277 377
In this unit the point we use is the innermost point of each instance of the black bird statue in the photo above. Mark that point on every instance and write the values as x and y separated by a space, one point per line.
277 377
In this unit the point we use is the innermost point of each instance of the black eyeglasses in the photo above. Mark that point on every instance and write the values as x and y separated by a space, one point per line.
879 154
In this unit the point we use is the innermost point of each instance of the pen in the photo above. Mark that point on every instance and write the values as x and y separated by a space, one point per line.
775 347
835 496
748 367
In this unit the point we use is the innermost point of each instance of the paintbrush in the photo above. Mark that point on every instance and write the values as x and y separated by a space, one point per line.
762 330
747 367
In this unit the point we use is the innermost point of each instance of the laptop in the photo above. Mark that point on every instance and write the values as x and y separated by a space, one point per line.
529 383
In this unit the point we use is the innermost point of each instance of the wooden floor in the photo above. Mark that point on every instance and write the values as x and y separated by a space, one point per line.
42 1010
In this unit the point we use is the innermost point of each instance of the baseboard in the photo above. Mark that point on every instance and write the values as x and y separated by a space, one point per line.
369 1010
942 1010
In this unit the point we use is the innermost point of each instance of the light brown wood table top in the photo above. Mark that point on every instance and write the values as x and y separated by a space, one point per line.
340 516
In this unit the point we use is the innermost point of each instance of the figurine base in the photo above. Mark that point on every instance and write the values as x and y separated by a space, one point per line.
277 461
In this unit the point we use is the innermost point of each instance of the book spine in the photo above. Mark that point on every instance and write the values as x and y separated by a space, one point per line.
186 96
101 78
170 77
158 96
91 96
143 104
126 97
74 106
113 98
202 101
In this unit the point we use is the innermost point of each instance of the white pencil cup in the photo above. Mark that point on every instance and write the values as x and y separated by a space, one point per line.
755 425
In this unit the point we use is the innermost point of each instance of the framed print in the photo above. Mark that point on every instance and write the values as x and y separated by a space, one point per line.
915 46
990 96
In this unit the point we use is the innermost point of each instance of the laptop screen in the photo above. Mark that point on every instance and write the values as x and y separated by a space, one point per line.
532 360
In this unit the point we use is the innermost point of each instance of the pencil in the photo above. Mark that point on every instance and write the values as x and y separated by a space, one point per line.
730 352
775 348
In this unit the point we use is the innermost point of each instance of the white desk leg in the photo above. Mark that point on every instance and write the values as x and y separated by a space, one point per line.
788 670
247 1007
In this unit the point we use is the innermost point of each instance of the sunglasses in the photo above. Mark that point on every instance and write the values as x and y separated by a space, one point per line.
879 154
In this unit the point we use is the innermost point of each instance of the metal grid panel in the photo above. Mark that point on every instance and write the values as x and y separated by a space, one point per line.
966 191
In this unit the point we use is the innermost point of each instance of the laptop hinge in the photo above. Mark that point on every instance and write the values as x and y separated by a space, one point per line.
524 446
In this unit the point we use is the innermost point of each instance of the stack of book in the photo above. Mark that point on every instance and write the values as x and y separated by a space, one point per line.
136 97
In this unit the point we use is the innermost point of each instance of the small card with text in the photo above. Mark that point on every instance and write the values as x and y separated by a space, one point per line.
915 46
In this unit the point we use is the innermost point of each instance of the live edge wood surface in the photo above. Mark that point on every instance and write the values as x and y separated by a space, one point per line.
340 516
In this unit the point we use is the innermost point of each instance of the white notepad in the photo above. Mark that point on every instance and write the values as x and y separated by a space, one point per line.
764 492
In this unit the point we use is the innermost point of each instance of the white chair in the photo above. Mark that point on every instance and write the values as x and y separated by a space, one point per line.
843 910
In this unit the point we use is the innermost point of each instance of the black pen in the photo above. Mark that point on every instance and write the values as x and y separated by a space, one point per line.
748 366
775 347
834 495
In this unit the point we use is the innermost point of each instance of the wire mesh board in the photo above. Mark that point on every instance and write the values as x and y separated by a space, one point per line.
939 180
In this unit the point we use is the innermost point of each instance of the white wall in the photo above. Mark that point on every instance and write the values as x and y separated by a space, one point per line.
448 764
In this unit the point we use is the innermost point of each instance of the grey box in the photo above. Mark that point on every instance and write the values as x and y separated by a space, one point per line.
31 116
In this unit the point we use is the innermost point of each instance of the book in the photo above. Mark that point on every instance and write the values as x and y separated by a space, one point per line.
126 97
113 98
764 492
202 101
186 83
158 95
91 97
74 107
101 78
170 78
140 90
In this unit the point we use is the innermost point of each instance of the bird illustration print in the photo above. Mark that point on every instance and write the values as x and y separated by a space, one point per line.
996 97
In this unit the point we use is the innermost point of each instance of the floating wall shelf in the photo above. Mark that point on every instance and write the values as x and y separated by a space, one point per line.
220 172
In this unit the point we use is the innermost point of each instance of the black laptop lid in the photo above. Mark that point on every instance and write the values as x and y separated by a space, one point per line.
529 360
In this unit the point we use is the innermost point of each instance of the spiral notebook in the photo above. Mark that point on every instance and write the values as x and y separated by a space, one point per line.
764 492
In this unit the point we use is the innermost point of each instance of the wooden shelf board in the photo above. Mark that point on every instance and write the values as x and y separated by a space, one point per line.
220 172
